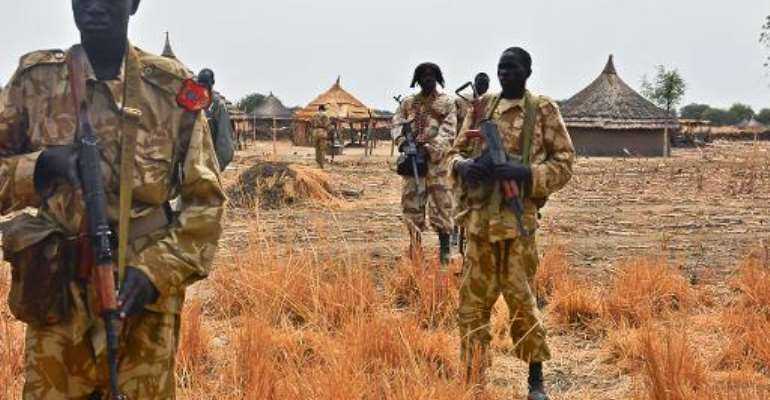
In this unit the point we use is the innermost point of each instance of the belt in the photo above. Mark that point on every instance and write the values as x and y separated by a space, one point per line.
158 218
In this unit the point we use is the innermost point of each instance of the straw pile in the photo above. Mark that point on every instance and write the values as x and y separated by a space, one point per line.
271 185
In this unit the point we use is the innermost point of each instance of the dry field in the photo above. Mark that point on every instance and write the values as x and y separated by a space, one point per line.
655 284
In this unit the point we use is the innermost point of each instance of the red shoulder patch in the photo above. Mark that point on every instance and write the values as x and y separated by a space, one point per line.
193 97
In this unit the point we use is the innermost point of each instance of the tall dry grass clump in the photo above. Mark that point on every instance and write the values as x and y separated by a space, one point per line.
646 289
747 320
296 325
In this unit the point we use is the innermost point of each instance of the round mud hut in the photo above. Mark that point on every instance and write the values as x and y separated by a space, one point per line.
609 119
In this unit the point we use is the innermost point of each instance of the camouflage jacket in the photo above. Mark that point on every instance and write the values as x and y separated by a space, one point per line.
480 209
434 120
174 156
321 121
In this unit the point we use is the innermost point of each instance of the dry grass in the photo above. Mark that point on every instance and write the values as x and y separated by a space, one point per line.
11 343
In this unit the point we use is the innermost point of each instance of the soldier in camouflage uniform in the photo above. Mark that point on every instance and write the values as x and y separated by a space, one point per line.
321 124
434 119
500 259
174 156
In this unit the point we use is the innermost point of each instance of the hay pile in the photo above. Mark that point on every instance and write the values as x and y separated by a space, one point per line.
270 185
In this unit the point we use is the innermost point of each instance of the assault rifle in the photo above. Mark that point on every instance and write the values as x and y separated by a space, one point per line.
99 255
510 189
412 156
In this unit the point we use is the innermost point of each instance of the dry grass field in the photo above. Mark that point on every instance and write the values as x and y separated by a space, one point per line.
655 285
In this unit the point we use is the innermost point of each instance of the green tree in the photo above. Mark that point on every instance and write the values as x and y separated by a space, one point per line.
740 112
763 116
666 90
718 117
250 102
694 111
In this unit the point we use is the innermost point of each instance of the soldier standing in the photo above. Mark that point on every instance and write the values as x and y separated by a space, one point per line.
219 120
502 256
321 125
132 95
433 119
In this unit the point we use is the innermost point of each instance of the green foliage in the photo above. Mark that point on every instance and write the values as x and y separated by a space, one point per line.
666 89
763 116
719 117
250 102
741 112
693 111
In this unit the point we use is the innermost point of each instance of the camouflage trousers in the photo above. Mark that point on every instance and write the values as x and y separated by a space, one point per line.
491 269
319 139
432 193
57 368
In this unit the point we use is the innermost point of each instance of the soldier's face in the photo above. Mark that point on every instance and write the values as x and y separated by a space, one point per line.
103 19
512 71
427 81
482 85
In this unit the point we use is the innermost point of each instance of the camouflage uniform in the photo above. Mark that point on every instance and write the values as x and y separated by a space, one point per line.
499 260
434 119
320 125
174 156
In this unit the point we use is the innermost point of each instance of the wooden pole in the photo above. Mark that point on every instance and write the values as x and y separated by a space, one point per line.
275 146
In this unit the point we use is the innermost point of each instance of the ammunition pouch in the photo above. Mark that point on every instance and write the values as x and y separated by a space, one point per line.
405 168
43 263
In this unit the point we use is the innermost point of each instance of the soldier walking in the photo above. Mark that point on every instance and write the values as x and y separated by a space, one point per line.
433 119
321 124
219 120
134 98
502 255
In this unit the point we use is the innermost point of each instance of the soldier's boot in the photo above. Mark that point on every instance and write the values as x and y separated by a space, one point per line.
444 249
535 381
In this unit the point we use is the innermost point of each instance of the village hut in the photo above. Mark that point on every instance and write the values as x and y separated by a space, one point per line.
751 124
271 119
168 52
608 118
351 115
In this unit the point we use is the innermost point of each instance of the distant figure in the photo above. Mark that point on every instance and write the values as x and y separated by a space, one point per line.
433 118
480 88
320 125
219 121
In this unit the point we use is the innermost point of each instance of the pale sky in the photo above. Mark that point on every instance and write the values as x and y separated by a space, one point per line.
297 48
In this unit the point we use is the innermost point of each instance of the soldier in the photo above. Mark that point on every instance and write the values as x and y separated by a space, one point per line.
480 88
219 121
321 124
433 118
132 94
500 258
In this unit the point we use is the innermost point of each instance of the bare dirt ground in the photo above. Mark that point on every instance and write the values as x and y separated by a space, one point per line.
701 208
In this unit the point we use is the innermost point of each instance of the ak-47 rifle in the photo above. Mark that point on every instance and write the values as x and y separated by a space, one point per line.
413 157
475 102
98 248
510 189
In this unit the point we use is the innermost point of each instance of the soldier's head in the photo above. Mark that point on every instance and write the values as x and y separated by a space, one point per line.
206 78
103 20
427 75
481 82
513 70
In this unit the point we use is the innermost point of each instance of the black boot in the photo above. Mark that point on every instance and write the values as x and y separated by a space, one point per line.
443 248
535 381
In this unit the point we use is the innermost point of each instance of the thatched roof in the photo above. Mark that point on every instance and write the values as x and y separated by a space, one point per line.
271 108
339 104
609 103
168 52
750 123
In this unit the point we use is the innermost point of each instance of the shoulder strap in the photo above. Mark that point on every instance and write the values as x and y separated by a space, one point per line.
129 124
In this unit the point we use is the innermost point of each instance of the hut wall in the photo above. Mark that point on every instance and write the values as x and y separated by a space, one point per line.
610 143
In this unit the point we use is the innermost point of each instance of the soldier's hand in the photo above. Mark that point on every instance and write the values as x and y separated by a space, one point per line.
136 292
56 165
513 171
471 171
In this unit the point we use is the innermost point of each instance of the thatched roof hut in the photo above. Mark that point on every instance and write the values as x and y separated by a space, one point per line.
351 115
272 108
750 124
609 118
339 104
